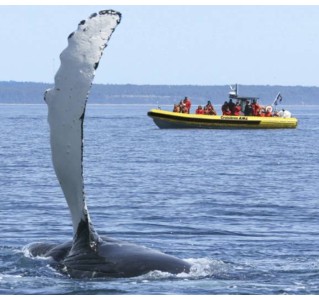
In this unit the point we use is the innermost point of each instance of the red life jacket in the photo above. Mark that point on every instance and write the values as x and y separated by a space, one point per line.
199 111
237 110
227 113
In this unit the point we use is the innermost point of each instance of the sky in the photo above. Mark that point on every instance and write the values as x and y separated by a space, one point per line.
170 44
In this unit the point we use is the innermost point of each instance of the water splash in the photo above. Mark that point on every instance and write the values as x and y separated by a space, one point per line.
201 268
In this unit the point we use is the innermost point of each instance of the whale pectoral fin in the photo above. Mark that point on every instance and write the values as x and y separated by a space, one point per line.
88 255
67 102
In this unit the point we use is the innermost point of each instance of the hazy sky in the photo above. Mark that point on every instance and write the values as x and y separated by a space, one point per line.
202 45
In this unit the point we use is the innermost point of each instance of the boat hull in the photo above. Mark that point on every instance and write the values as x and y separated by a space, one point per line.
170 120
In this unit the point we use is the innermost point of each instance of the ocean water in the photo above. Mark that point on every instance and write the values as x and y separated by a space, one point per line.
241 206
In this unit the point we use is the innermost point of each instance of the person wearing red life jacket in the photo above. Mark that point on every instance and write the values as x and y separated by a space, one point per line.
227 112
199 110
187 102
268 112
237 109
256 107
209 109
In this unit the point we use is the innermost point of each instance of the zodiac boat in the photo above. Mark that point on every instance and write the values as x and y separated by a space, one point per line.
170 120
173 120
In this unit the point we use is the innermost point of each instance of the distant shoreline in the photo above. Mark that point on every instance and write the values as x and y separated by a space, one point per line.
12 92
166 106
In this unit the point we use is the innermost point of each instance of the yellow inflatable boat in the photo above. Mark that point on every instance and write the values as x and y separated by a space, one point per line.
244 120
171 120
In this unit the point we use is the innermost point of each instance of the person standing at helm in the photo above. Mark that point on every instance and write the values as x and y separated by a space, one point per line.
248 109
231 106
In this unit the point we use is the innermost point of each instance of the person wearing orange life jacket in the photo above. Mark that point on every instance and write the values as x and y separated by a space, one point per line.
262 112
256 107
209 109
237 109
227 112
187 102
199 110
268 112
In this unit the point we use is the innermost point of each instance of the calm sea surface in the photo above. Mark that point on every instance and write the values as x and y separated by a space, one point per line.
242 206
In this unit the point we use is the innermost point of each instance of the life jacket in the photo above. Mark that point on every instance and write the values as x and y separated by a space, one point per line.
237 110
227 113
188 104
268 114
199 111
256 109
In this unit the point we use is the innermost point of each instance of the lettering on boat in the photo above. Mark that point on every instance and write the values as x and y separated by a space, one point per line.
233 118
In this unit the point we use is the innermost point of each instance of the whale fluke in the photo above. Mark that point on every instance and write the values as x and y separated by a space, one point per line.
87 255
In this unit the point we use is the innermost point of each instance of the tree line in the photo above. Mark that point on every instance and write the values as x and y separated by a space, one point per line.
32 92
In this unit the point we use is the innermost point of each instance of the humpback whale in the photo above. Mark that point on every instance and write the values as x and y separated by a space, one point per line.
87 255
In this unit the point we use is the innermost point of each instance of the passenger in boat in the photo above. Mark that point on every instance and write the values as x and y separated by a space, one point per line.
209 109
231 106
225 107
187 102
276 113
227 112
199 110
268 112
237 110
248 109
181 106
185 110
176 108
209 104
256 108
261 112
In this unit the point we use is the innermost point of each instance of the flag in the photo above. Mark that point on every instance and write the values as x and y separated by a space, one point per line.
278 99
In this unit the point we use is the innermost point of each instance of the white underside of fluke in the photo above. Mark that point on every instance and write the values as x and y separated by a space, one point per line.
67 101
